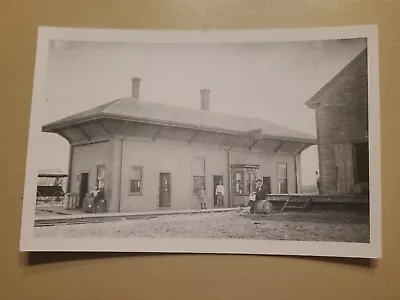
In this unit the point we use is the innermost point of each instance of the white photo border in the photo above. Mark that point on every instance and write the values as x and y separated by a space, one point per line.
163 245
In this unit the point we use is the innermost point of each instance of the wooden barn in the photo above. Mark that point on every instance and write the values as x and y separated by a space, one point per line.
341 109
152 156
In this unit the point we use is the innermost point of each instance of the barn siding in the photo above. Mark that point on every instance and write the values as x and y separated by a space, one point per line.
342 117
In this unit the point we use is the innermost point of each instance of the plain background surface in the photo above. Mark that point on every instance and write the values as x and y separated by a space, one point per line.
134 276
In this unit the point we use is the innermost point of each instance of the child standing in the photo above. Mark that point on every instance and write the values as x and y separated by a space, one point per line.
202 195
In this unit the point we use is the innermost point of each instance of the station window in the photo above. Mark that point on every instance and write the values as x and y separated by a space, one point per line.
199 173
238 186
244 179
101 174
136 180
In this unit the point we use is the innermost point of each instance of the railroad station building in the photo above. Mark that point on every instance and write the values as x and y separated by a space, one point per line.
151 156
341 109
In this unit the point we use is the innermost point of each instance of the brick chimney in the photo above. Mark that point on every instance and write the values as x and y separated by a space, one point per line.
205 99
135 87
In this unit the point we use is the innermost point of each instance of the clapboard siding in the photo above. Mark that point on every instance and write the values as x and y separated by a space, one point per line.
342 118
86 159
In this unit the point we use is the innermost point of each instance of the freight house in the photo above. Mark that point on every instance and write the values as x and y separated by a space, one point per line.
152 156
341 109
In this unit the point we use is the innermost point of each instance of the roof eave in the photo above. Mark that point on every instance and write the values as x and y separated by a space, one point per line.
310 142
55 127
214 129
314 101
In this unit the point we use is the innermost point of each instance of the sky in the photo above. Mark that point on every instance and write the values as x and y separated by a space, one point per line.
263 80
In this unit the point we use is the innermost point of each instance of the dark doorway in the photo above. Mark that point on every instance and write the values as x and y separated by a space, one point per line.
267 183
361 162
165 190
217 179
344 156
83 188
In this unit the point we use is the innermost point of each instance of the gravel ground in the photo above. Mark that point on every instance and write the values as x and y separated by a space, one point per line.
314 226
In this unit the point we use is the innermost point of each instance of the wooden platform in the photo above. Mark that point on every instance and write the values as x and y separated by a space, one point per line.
304 202
351 199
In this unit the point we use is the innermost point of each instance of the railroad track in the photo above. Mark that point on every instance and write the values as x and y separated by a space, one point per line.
83 220
92 218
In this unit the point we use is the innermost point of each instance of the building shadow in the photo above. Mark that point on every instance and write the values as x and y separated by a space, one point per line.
44 258
358 262
40 258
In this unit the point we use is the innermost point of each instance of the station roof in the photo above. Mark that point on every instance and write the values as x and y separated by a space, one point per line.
131 109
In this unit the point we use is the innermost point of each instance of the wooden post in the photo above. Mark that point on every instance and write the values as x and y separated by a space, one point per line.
298 173
114 202
71 149
229 178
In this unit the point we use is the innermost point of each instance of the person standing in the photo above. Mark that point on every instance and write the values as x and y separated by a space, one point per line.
317 179
99 198
57 182
261 194
202 195
220 192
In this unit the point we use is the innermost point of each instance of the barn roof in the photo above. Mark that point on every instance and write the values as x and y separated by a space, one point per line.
316 98
142 111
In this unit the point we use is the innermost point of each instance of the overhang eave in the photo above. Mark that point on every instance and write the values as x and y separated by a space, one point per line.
228 138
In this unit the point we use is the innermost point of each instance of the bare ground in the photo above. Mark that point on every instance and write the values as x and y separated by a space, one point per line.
312 226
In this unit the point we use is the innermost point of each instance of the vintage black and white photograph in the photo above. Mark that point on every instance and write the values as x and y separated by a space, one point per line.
248 142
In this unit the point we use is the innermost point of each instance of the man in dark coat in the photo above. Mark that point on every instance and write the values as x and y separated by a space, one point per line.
261 194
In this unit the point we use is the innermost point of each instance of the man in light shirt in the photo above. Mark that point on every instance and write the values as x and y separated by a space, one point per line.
220 191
